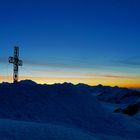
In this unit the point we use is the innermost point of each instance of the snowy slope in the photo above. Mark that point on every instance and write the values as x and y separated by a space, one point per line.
18 130
119 95
70 108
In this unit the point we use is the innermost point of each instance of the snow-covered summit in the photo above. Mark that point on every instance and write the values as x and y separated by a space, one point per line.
66 105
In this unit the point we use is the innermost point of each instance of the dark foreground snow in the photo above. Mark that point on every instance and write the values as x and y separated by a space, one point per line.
18 130
62 112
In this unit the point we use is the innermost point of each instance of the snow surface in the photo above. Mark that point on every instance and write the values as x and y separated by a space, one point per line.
62 111
17 130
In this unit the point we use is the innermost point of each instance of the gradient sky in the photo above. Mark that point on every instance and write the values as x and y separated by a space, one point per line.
88 41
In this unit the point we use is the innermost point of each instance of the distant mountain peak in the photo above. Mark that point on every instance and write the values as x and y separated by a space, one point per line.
27 82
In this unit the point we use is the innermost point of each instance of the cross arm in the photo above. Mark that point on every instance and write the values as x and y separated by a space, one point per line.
20 62
11 60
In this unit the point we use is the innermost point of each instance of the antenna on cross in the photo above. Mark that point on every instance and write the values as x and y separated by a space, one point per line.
16 63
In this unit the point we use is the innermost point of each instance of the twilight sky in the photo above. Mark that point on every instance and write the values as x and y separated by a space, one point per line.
79 41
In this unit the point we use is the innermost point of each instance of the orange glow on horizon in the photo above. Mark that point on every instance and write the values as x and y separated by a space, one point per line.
110 81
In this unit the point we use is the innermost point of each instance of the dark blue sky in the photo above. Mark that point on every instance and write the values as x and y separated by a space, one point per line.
66 37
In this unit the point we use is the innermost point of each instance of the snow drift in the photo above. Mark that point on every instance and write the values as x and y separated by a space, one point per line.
65 105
